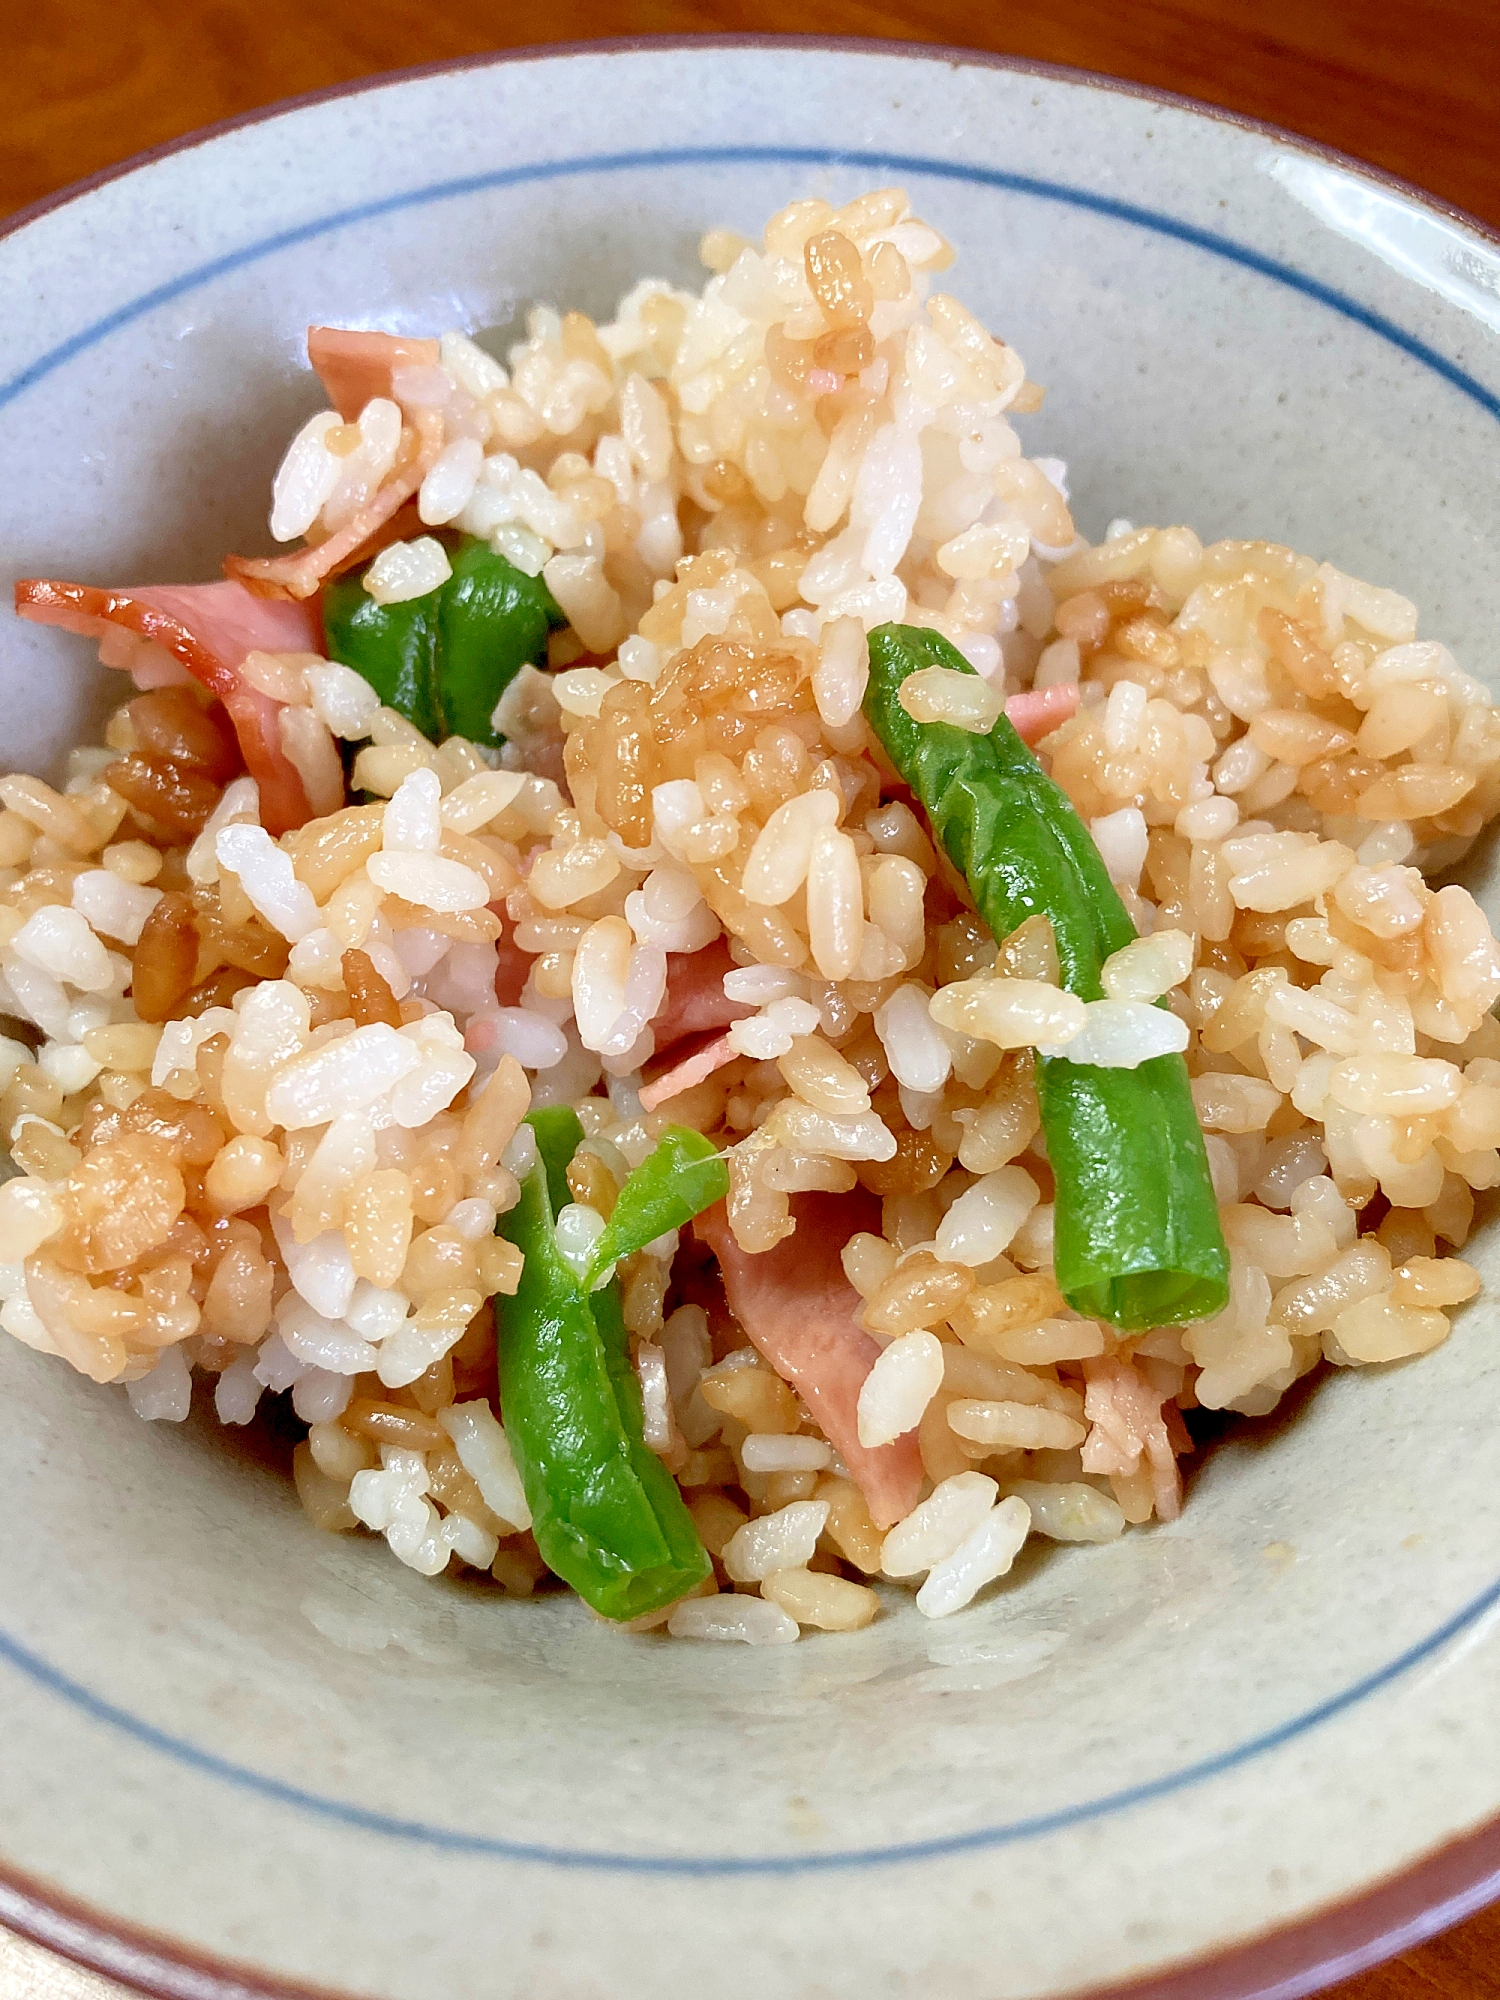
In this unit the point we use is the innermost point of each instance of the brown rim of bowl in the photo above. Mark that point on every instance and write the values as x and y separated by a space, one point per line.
1302 1957
1296 1959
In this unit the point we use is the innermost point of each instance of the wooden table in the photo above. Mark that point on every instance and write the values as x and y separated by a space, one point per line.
1411 85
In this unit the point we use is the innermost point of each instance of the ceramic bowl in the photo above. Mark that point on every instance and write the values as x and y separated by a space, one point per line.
241 1755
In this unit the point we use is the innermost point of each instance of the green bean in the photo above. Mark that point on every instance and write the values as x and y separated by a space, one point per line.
681 1177
443 660
607 1515
1137 1234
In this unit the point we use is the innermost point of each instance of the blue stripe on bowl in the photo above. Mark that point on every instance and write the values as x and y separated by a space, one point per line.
801 156
455 1841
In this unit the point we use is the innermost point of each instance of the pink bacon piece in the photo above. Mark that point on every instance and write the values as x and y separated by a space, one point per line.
1127 1423
800 1311
206 630
691 1070
695 1003
1036 712
512 965
694 1010
354 366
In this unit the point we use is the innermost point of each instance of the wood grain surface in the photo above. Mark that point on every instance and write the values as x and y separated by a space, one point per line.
1410 85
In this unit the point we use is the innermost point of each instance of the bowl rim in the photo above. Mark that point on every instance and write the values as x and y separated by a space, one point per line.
952 54
1304 1957
1343 1937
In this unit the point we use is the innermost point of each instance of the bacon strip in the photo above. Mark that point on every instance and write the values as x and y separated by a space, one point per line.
1126 1422
208 628
800 1311
301 573
690 1021
695 1002
354 366
691 1070
1038 711
512 965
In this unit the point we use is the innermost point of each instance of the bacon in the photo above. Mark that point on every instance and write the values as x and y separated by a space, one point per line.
1127 1423
207 629
1038 711
301 573
689 1023
800 1311
355 366
690 1070
695 1002
403 526
693 1012
512 965
694 1005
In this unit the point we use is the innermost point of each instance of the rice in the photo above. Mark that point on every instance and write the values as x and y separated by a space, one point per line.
940 1525
752 1621
831 1603
265 1093
785 1454
985 1553
897 1390
1011 1013
1069 1511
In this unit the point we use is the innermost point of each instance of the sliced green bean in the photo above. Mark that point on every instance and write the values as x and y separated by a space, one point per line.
1137 1234
443 660
683 1175
607 1515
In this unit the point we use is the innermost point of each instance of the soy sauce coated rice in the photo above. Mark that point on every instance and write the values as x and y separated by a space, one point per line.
270 1116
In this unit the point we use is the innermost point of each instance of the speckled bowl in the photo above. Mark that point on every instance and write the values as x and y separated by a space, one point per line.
242 1756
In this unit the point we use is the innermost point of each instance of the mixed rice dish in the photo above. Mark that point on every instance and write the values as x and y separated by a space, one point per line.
725 1006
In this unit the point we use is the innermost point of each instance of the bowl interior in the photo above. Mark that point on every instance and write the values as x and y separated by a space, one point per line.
304 1758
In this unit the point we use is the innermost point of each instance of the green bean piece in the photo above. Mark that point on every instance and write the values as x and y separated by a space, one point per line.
607 1515
683 1175
443 660
1137 1234
559 1134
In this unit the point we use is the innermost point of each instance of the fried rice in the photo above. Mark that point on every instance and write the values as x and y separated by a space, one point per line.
284 975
